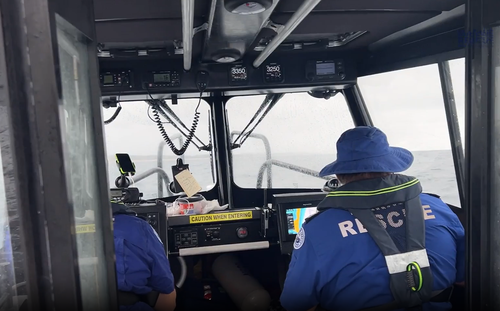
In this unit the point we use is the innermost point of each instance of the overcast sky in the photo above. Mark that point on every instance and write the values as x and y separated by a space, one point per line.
407 105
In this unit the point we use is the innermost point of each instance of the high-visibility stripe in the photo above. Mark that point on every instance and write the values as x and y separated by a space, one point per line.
373 192
398 263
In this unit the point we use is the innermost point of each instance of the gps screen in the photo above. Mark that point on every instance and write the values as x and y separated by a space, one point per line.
295 217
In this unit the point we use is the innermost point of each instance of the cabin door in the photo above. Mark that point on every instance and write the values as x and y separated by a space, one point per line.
483 154
72 24
53 144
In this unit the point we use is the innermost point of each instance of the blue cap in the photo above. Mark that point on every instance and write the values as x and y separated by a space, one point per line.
364 149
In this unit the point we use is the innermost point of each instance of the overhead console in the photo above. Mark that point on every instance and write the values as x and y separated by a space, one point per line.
160 76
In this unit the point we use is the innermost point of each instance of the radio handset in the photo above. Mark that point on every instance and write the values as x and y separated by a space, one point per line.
176 169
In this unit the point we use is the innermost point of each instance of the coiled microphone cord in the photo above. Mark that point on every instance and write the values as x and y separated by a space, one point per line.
168 141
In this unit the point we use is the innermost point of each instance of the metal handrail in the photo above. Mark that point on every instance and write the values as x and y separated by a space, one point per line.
267 146
161 174
159 162
289 166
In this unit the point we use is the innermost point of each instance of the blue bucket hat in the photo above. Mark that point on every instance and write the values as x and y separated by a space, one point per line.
364 149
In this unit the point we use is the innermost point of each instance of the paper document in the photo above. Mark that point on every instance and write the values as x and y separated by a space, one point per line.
188 183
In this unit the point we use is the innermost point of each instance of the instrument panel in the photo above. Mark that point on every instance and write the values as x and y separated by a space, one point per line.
273 73
215 232
167 76
238 75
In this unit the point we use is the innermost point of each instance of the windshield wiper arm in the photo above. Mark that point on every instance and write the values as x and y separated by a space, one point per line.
270 101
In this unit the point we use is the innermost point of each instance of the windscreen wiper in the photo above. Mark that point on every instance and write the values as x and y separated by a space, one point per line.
269 101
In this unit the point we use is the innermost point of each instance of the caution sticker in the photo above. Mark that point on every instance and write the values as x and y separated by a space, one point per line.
220 217
85 228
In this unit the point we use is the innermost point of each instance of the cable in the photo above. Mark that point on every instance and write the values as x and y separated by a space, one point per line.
211 153
183 276
170 112
150 118
156 115
161 109
114 116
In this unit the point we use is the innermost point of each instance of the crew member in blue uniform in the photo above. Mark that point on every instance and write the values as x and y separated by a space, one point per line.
377 240
142 267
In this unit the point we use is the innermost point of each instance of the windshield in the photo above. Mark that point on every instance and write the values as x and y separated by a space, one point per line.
134 131
301 132
408 106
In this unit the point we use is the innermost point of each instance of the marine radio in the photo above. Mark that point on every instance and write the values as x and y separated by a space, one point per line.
117 79
161 79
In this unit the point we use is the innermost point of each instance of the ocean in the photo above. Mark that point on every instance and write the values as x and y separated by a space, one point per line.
435 169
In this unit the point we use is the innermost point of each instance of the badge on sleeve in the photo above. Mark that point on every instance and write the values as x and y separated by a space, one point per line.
300 239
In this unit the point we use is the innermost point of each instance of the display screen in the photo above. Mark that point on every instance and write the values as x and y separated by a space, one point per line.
273 73
161 78
295 218
238 73
107 79
324 69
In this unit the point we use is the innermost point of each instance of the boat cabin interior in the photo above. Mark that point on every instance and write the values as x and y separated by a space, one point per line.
211 119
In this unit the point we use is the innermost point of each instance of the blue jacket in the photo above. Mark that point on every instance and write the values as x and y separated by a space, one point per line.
141 263
338 266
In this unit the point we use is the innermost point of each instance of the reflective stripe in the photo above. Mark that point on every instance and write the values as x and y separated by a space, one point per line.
373 192
397 263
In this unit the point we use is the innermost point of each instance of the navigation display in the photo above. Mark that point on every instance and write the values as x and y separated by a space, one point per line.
295 218
325 68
